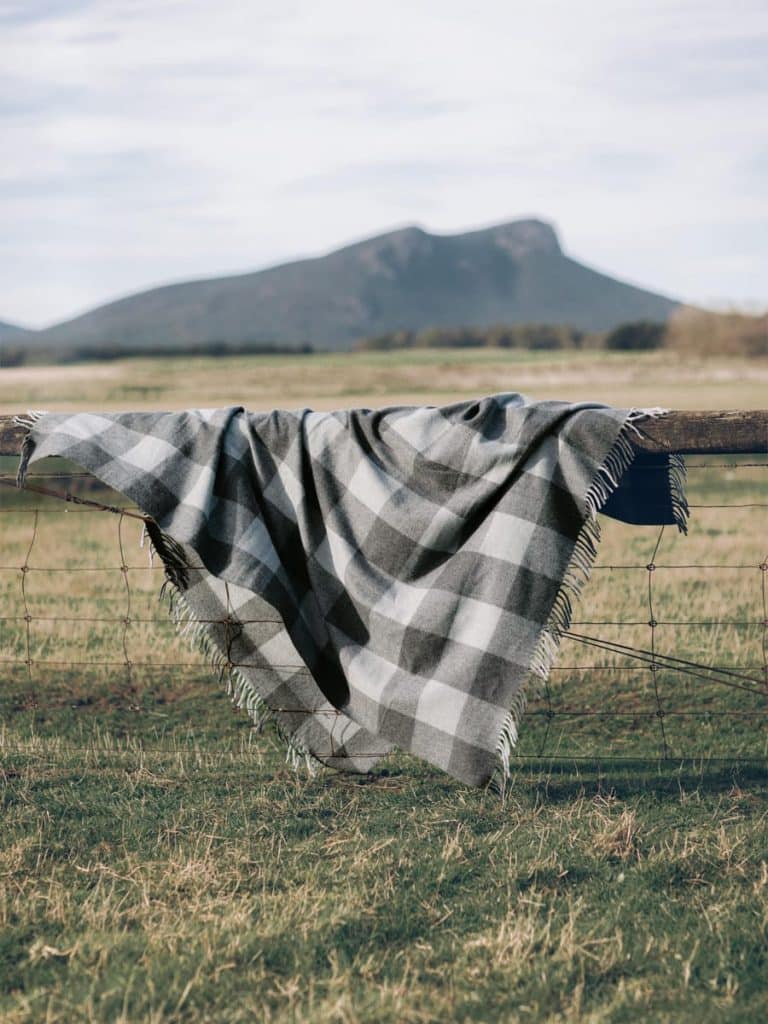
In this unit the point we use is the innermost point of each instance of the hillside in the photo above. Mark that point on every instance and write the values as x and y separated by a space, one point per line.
511 273
9 331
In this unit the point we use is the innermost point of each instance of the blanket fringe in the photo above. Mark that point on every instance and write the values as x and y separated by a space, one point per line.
677 478
172 555
32 417
28 444
606 480
241 691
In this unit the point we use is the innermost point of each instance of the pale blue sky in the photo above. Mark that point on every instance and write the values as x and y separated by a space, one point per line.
146 141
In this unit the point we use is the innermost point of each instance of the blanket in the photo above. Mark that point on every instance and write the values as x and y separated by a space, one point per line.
377 578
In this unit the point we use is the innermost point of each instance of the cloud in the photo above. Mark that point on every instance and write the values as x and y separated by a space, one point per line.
25 12
148 140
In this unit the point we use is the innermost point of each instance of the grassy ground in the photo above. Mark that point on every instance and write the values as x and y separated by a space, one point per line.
390 378
159 861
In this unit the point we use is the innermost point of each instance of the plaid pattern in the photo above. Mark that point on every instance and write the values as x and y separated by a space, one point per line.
373 578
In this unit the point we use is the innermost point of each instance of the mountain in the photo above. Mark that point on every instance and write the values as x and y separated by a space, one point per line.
10 332
511 273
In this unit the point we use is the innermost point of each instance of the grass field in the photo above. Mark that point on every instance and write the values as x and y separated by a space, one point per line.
160 862
390 378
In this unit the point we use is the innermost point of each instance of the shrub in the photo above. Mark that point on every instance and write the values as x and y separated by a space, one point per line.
635 337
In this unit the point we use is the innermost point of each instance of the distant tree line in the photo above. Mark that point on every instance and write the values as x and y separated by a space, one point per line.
639 336
18 355
689 330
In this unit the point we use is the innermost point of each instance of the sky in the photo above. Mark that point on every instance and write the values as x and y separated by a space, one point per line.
150 141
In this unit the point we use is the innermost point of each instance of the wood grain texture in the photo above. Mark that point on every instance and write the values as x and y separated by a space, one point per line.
706 433
11 436
690 433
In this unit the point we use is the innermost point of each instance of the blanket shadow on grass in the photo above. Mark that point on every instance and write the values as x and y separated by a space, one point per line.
561 781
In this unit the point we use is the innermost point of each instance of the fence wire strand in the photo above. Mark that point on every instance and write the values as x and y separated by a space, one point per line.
24 650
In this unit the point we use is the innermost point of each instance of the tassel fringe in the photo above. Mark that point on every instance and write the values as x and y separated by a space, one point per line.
28 446
238 687
172 555
606 480
677 478
30 420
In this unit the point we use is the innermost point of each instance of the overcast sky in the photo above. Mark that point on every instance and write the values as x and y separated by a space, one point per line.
147 141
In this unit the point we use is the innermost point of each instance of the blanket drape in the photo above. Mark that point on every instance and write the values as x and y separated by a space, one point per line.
377 578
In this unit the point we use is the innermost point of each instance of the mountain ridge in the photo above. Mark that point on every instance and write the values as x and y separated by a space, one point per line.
407 278
9 330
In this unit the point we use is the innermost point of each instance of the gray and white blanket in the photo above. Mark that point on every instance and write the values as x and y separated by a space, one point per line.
377 578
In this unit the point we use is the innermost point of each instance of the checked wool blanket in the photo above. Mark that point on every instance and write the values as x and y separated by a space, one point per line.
377 578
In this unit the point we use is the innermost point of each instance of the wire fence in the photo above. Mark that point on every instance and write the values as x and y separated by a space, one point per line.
666 657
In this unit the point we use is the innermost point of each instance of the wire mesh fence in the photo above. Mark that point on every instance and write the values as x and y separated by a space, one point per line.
666 657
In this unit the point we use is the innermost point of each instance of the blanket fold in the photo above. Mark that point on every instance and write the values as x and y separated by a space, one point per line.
378 578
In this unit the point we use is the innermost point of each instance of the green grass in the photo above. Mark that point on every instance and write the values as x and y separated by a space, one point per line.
160 862
219 887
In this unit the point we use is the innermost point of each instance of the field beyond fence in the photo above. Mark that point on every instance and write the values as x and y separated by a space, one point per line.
160 861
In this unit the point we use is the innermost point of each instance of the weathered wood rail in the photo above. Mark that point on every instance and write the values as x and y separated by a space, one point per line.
11 436
691 433
706 433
